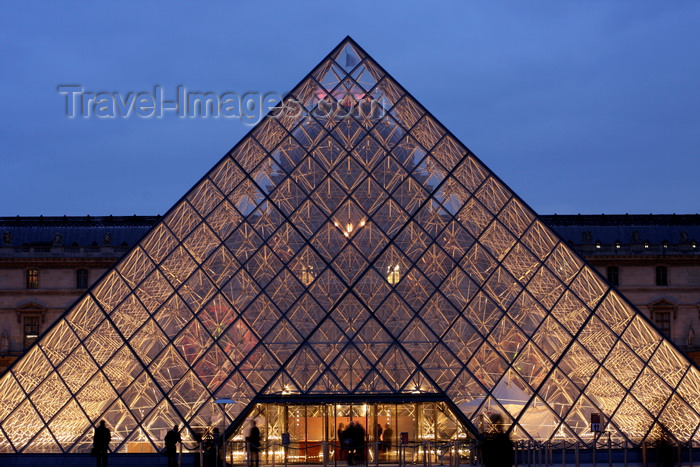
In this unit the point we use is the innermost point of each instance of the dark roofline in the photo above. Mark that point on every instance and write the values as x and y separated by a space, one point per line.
621 219
553 219
78 221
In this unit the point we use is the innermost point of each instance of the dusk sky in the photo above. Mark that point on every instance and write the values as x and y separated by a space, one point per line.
579 106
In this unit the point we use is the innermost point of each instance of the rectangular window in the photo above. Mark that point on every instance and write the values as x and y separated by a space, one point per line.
614 275
31 330
81 279
32 278
661 275
662 319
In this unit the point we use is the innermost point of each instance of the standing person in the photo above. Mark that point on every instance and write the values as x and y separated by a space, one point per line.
359 442
388 433
341 442
378 436
218 448
100 444
497 450
212 449
254 445
665 451
349 442
171 440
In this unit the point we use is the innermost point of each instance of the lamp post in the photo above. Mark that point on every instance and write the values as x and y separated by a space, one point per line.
222 403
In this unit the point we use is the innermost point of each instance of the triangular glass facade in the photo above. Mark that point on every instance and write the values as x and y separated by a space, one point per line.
349 244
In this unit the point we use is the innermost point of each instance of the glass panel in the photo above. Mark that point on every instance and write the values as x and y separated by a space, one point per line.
570 312
182 220
226 176
22 425
135 266
59 343
154 291
110 291
248 153
69 422
122 369
462 339
31 369
159 243
493 195
201 242
205 197
269 133
438 313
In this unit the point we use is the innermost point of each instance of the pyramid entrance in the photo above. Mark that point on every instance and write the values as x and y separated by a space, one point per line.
312 424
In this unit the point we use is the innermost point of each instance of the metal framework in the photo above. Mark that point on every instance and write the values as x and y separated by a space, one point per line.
349 244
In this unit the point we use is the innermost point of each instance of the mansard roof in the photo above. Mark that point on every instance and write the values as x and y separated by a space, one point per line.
73 230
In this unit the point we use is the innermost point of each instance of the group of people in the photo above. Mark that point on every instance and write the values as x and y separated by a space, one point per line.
214 453
352 442
102 437
496 449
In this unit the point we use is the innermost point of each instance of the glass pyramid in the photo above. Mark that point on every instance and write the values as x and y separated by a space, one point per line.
349 244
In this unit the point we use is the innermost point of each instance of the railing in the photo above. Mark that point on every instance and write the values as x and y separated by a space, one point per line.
326 453
604 453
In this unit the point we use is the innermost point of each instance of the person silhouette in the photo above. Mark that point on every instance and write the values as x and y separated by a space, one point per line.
254 444
359 442
342 449
387 438
212 449
100 444
497 449
665 451
172 437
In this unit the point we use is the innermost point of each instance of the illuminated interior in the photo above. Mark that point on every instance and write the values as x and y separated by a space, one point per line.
311 425
348 245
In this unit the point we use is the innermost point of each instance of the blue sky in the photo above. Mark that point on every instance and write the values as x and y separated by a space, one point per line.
580 107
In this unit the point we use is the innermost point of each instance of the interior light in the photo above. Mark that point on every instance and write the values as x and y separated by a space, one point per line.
393 274
307 275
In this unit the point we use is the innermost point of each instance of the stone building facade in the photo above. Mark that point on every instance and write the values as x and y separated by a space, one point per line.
46 263
654 260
